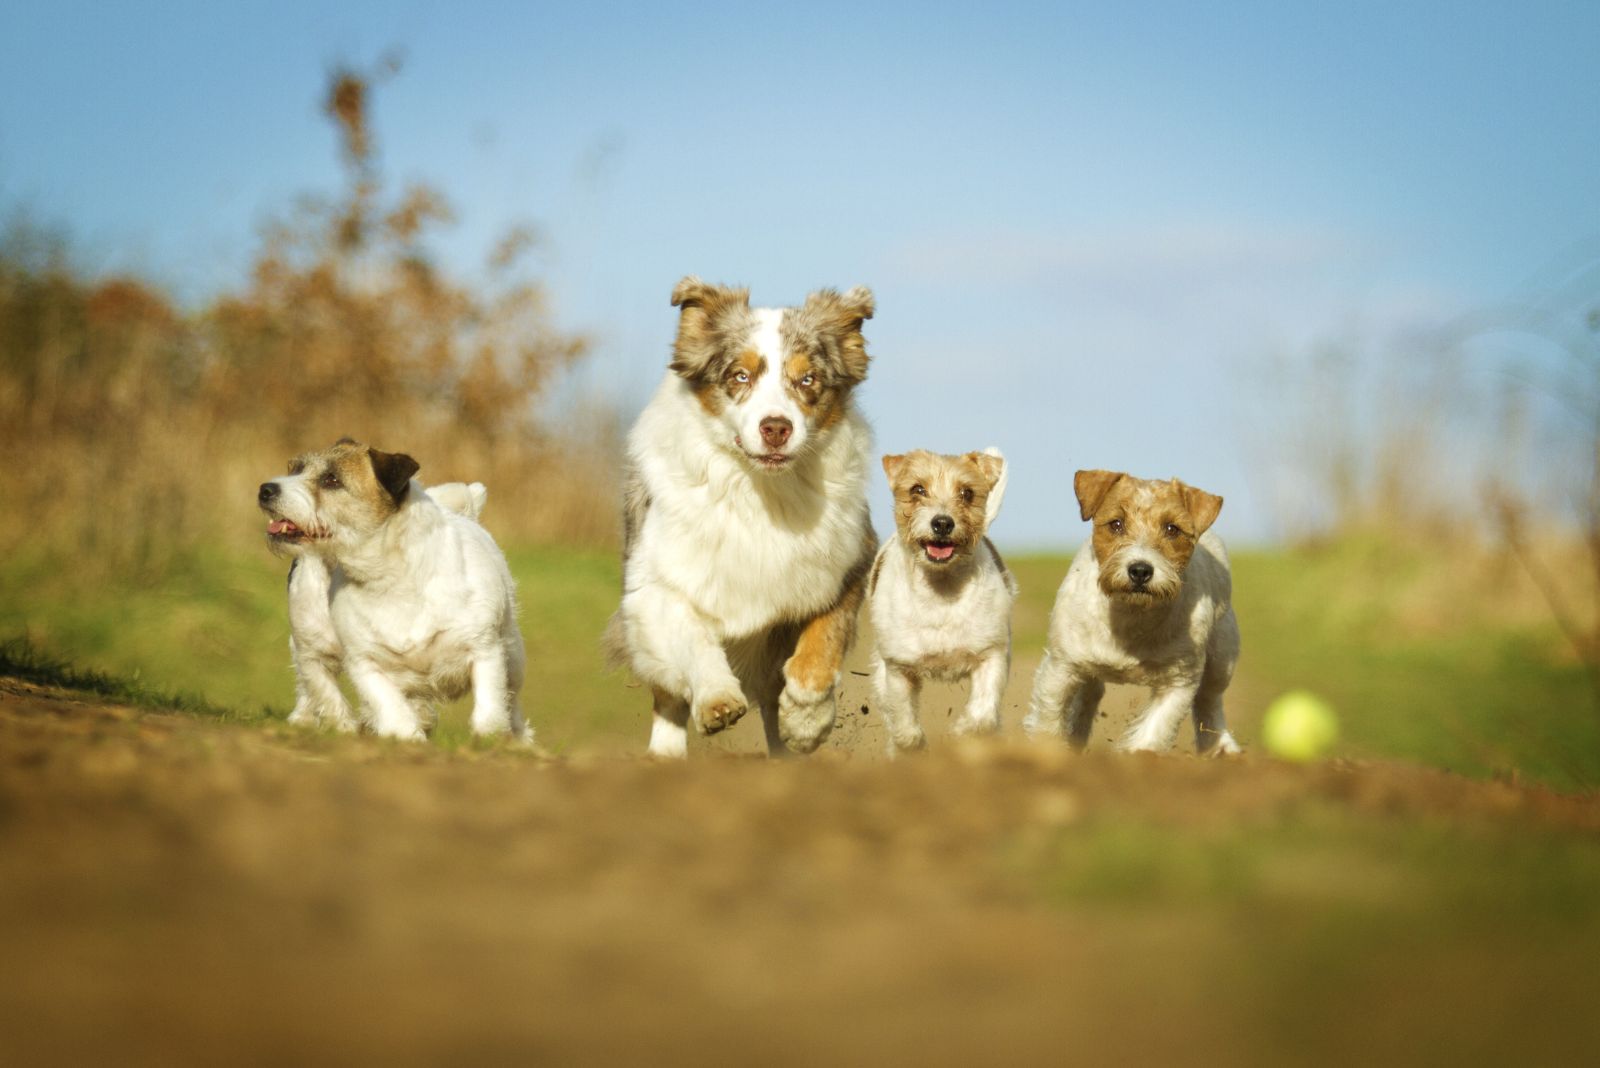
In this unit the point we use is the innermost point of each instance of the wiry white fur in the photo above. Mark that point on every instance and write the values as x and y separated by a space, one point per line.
313 643
727 551
422 606
942 624
1184 649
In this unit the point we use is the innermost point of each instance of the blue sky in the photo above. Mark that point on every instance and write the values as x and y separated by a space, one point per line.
1086 225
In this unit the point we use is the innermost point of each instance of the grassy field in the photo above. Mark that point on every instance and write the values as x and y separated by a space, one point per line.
1425 663
183 873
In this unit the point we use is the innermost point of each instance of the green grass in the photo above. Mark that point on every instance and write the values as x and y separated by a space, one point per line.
1321 914
1467 693
20 659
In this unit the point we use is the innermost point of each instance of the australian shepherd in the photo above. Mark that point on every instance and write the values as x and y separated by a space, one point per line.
747 539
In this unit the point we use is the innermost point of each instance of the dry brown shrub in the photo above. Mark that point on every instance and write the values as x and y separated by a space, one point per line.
135 433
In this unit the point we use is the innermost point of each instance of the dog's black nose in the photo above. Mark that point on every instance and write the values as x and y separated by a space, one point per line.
269 490
1141 572
942 525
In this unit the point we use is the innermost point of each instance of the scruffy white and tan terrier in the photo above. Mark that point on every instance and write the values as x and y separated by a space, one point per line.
418 598
940 594
313 644
1147 600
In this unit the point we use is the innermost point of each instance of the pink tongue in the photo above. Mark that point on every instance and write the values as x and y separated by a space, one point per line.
279 526
941 552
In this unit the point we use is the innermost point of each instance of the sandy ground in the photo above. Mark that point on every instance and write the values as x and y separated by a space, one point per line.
174 890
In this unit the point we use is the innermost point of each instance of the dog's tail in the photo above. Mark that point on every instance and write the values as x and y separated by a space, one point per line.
998 493
462 498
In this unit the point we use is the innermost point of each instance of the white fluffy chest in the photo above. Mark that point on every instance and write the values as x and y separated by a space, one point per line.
747 549
1081 627
747 565
447 597
946 628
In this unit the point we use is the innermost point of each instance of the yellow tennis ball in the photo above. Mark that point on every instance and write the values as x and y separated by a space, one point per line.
1299 725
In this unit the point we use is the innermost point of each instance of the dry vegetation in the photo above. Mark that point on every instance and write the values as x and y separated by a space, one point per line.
134 431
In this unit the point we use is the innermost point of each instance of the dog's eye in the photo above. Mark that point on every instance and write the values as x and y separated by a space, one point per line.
1172 530
918 491
329 481
808 381
741 377
966 495
1115 526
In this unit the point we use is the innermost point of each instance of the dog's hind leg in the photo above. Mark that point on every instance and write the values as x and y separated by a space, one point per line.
494 694
669 725
516 665
1211 734
1082 710
897 702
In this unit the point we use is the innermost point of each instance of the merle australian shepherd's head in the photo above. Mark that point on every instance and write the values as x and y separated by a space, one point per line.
773 380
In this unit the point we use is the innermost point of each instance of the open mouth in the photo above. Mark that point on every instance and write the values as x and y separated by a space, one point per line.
939 552
285 530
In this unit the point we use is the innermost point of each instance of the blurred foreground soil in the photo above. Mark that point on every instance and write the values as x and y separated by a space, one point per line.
173 890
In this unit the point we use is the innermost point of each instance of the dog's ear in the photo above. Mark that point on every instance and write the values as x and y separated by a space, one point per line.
700 306
1203 506
394 471
347 440
1092 487
991 463
840 316
892 466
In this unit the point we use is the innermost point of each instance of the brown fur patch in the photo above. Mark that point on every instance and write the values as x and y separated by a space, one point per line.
1168 516
825 640
926 484
347 481
827 328
1091 488
713 391
714 324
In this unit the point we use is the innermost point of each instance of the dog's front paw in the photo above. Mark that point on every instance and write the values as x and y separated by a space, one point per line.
1144 741
912 741
805 717
966 724
719 711
303 715
1224 746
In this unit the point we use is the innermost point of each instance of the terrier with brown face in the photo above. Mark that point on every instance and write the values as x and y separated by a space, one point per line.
407 591
1147 601
940 594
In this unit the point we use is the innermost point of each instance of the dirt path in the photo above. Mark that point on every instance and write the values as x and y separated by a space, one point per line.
173 890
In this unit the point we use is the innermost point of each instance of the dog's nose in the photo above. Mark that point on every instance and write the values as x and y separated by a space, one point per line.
1141 572
942 525
269 490
776 431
